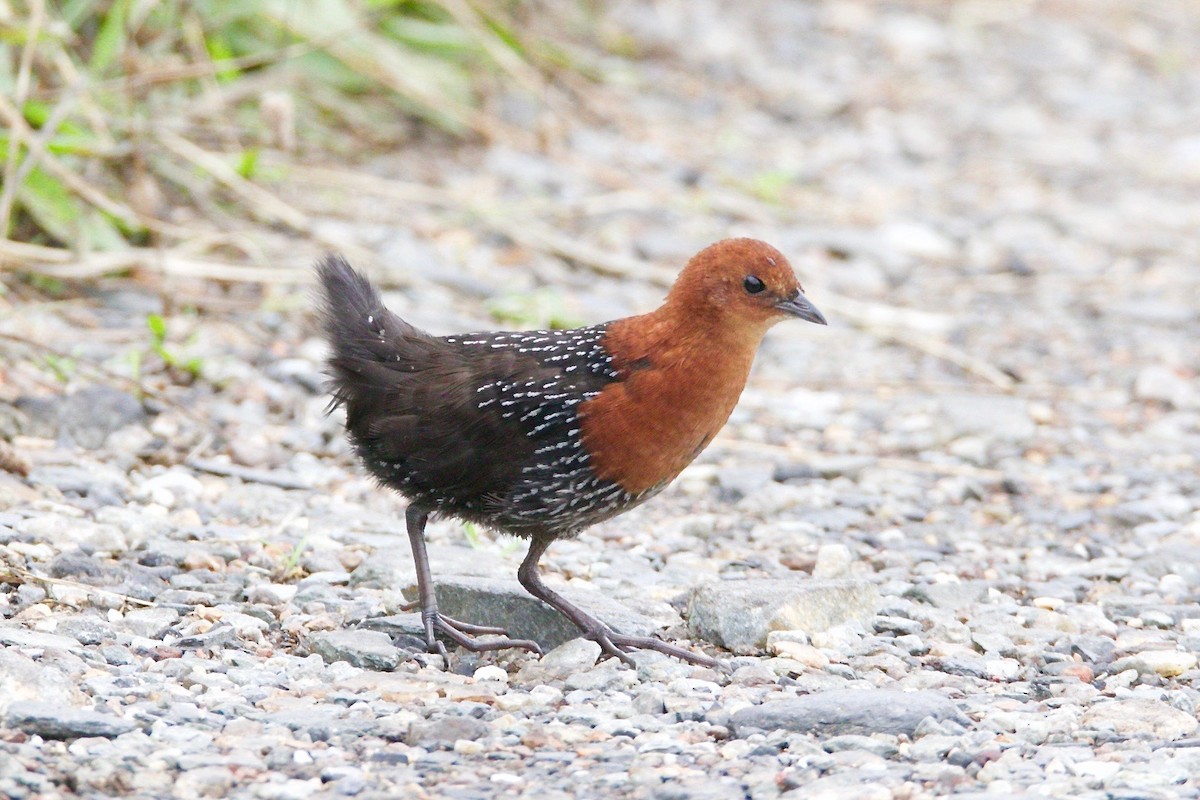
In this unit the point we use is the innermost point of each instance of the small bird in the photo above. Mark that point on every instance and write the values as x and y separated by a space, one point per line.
541 434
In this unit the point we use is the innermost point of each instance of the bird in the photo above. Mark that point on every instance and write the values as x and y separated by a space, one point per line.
543 433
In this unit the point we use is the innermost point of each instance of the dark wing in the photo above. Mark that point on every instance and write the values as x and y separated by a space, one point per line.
457 422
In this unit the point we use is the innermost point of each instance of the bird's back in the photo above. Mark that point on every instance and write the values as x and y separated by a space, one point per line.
485 426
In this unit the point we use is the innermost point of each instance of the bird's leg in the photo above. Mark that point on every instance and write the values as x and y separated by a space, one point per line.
434 621
611 642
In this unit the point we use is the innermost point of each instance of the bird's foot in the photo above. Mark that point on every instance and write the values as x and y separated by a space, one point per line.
463 634
619 645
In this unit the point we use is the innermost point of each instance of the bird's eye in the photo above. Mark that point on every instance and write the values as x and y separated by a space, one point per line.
753 285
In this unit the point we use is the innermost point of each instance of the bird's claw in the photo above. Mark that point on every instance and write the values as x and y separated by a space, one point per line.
618 645
463 634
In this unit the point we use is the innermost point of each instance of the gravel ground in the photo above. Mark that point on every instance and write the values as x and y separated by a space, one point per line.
952 540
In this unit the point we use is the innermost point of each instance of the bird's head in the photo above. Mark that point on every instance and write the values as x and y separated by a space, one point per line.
744 283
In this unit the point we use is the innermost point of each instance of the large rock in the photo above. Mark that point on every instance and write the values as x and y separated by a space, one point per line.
501 603
63 722
1135 716
37 640
506 604
848 711
22 678
738 615
85 418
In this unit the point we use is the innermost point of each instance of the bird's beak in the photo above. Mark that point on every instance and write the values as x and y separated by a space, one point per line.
799 306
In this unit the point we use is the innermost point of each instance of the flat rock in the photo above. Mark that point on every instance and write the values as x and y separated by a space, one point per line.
950 595
63 722
36 640
23 679
842 712
445 732
506 604
738 615
85 418
151 623
362 648
1135 716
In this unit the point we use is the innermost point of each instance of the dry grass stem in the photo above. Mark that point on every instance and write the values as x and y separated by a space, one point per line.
26 576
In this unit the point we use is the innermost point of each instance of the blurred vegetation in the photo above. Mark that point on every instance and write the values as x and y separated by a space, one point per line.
116 115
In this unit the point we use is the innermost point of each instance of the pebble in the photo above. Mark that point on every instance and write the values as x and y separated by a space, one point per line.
1168 663
848 711
739 615
445 732
491 672
1160 383
569 658
360 648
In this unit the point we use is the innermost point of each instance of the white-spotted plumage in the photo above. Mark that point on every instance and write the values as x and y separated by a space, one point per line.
557 488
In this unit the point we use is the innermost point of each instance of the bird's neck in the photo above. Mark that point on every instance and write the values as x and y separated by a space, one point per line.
680 378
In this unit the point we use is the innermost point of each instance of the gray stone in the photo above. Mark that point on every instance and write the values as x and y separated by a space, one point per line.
1160 383
951 595
879 746
843 712
738 615
569 658
833 561
444 732
742 481
63 722
323 721
1168 663
966 665
600 677
75 563
897 625
848 466
362 648
87 629
23 679
150 623
37 640
1134 716
506 604
85 418
1151 509
99 482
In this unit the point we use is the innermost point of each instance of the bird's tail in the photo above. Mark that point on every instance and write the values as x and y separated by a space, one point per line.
368 342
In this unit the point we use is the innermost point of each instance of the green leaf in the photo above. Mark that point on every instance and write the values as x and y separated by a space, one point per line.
53 208
110 40
247 164
158 329
220 51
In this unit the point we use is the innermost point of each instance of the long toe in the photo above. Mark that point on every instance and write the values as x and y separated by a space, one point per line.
474 630
649 643
460 636
610 648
